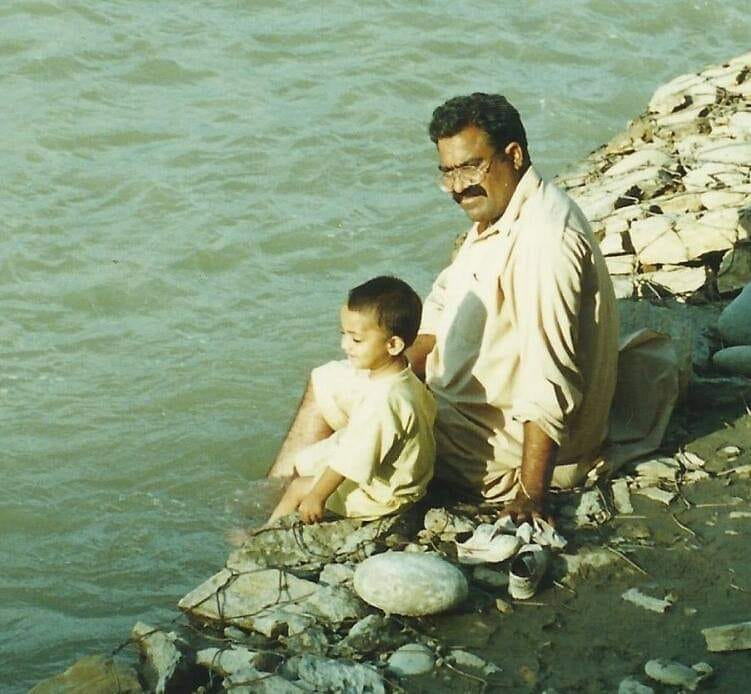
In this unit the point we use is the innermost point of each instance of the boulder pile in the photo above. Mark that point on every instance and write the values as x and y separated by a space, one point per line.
670 197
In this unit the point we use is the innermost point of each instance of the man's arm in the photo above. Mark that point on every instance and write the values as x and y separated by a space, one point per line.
538 458
417 353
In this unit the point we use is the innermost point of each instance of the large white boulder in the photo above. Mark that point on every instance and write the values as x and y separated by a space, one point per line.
734 323
411 584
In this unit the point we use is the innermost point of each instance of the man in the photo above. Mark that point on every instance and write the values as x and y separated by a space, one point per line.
519 337
518 340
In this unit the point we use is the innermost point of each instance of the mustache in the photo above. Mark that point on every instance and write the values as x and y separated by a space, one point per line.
470 192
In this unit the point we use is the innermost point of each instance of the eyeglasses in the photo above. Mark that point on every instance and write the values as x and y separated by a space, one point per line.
466 175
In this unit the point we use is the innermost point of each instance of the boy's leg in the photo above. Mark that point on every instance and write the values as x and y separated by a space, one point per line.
294 494
308 427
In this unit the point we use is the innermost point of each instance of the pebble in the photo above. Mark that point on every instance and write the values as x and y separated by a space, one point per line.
411 659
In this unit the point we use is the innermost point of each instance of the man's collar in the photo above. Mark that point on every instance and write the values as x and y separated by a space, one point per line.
525 189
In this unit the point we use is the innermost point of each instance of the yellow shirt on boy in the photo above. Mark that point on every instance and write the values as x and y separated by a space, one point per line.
383 441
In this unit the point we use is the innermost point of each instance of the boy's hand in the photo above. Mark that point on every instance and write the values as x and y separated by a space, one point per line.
311 508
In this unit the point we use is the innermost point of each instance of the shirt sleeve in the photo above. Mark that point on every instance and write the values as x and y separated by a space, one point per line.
432 307
373 431
546 291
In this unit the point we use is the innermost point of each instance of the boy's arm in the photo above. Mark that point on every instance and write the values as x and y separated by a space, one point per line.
312 506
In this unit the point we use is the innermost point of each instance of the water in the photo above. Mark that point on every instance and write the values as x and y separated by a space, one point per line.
189 188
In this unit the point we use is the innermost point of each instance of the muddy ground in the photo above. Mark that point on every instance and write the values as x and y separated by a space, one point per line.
586 638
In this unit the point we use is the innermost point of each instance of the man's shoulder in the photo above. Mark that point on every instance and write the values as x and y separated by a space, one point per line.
556 216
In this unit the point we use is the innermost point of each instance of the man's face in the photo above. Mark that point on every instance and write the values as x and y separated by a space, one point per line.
484 201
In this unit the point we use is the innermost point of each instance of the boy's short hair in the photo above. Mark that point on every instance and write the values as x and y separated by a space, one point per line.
397 307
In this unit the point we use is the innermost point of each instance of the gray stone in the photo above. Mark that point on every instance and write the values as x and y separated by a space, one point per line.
337 574
439 521
632 686
655 241
678 280
705 391
310 640
270 601
735 269
411 659
244 671
734 360
161 655
372 633
734 323
410 584
310 546
328 675
469 661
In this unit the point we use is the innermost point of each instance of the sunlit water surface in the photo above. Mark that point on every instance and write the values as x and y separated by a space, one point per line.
189 188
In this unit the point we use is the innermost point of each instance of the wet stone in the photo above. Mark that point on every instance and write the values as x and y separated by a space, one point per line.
734 323
734 360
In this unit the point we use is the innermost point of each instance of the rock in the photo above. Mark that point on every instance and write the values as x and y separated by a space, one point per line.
93 674
730 637
735 269
614 244
310 546
657 494
269 601
734 323
245 672
655 241
372 633
636 597
649 156
716 230
632 686
591 510
658 469
327 675
738 153
489 578
469 661
162 657
734 360
585 560
310 640
675 279
439 521
621 264
503 607
621 496
677 674
411 659
337 574
410 584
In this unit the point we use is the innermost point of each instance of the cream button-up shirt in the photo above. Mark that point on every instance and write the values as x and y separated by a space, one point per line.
526 329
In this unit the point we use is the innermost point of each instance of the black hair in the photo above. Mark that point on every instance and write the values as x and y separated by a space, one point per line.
489 112
397 307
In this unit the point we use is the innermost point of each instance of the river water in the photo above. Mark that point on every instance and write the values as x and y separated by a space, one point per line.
189 189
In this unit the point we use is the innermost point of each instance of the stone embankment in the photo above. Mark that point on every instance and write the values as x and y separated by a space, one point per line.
670 201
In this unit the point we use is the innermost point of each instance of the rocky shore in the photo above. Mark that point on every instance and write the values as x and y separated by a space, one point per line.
652 591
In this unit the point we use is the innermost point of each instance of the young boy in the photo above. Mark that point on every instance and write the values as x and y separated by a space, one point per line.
380 457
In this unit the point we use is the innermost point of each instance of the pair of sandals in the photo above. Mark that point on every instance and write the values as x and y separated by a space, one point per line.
529 544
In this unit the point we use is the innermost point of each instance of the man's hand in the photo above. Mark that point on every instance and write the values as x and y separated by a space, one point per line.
525 510
311 508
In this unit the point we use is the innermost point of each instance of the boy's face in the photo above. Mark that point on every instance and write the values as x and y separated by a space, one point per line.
366 344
